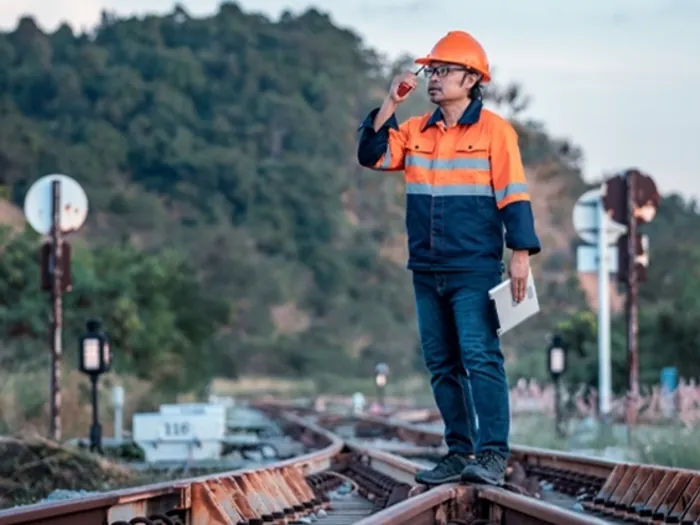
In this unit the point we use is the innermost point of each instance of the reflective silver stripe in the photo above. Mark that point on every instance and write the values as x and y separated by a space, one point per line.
447 164
511 189
474 190
386 163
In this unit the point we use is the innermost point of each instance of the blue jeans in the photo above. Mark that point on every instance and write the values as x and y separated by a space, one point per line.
457 325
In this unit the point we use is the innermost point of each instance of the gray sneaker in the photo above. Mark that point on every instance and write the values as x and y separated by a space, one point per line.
447 470
489 468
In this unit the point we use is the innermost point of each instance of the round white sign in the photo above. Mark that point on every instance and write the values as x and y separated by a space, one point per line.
38 204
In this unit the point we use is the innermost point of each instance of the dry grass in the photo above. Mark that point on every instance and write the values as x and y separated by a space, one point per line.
24 404
32 467
24 407
416 387
251 386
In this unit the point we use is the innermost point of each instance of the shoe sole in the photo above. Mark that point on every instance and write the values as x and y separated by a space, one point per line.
474 478
452 479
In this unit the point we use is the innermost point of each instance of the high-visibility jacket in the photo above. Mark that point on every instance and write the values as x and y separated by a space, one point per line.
463 185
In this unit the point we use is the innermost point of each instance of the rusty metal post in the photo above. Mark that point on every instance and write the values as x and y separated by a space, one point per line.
632 306
56 312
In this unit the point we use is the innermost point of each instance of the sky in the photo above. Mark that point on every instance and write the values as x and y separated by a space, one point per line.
616 77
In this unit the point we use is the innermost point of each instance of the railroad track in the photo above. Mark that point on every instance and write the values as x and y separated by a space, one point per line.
614 491
347 480
340 482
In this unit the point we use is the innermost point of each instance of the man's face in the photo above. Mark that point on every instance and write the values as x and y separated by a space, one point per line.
448 82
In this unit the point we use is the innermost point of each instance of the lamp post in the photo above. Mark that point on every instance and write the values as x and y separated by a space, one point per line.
381 375
94 359
557 366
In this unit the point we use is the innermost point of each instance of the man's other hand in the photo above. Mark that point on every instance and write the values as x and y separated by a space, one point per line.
518 271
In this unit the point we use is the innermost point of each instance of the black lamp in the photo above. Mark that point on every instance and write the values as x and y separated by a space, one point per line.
94 358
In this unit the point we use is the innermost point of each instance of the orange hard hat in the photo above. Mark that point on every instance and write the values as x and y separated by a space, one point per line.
459 47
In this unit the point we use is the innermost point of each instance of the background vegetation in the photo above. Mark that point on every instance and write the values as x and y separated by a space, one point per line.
231 232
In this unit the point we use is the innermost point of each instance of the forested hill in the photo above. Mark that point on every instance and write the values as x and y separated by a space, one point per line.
230 229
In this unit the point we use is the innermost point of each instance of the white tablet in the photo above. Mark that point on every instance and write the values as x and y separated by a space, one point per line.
510 313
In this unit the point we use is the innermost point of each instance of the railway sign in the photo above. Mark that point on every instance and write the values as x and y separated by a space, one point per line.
586 221
646 197
38 204
588 259
631 198
55 205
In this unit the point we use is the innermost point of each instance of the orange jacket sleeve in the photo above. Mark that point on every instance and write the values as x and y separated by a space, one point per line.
511 190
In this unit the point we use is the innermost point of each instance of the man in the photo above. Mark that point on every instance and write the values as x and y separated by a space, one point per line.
464 183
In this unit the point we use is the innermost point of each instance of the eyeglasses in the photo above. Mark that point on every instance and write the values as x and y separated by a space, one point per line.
442 71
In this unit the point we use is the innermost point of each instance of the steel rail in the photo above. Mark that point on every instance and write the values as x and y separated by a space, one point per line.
624 491
587 466
465 503
295 490
119 506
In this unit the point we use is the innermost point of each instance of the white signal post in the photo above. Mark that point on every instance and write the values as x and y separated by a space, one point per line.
604 354
594 227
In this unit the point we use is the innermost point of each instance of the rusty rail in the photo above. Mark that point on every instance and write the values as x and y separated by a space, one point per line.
301 490
255 494
644 494
461 504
